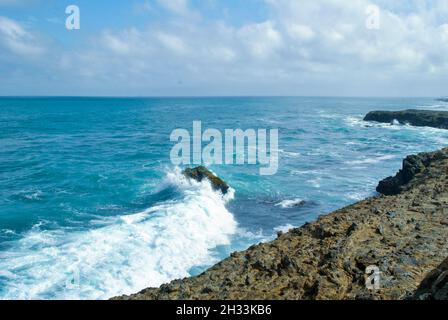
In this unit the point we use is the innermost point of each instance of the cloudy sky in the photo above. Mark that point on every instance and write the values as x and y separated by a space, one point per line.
225 47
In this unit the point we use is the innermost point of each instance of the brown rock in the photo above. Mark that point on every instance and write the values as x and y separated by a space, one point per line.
200 173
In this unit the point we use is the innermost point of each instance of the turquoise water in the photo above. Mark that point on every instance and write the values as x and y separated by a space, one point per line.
91 206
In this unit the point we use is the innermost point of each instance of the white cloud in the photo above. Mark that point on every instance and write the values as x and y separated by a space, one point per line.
300 31
18 40
172 42
116 44
179 7
302 47
261 39
222 54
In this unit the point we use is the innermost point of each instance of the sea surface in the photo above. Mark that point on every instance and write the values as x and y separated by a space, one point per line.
91 206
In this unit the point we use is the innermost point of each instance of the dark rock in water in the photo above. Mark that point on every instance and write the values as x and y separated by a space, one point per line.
442 99
412 166
435 285
419 118
200 173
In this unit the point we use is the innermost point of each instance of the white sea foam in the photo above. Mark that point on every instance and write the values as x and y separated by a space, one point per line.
7 232
325 115
290 203
357 196
290 154
33 195
284 228
359 122
439 136
436 106
309 172
128 254
371 160
315 182
7 274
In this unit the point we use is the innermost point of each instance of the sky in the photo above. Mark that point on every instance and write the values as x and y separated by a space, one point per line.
225 48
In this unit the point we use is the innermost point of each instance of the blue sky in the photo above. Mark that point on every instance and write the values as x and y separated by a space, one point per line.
224 47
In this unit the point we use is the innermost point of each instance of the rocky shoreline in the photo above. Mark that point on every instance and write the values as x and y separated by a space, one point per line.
403 234
419 118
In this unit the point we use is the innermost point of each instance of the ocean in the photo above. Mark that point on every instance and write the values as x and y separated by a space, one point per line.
91 206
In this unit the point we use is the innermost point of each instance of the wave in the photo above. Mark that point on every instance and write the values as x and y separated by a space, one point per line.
358 196
438 136
284 228
289 154
130 253
372 160
359 122
291 203
436 106
353 121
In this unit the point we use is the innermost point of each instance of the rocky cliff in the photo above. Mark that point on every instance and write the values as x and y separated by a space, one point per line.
413 173
420 118
403 235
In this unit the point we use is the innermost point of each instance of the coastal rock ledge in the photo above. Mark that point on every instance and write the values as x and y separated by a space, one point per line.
414 170
403 234
419 118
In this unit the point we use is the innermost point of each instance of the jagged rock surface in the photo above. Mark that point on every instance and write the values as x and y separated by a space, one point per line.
415 168
200 173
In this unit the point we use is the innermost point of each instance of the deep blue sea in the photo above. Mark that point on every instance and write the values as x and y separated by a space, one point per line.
91 206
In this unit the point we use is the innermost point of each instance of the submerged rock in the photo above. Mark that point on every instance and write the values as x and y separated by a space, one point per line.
419 118
200 173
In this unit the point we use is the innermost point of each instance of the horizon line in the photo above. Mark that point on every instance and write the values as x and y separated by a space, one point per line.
210 96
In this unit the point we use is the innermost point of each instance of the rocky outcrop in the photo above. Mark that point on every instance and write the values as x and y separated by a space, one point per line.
435 285
200 173
420 118
414 170
403 235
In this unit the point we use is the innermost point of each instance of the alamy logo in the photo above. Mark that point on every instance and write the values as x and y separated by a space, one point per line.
72 281
230 148
73 21
373 278
373 21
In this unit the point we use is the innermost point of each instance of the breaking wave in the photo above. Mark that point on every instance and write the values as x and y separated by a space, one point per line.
128 254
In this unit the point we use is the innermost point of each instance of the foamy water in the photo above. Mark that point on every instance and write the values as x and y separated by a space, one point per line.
130 253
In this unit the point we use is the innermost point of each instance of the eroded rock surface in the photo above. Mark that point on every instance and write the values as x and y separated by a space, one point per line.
404 235
415 169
